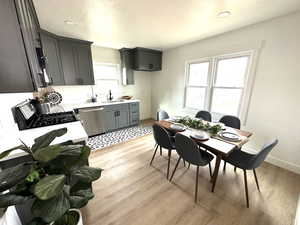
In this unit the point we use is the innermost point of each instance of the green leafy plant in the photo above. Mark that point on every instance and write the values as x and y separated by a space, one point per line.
200 125
56 180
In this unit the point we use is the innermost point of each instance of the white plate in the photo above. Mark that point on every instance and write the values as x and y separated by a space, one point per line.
230 136
200 135
178 127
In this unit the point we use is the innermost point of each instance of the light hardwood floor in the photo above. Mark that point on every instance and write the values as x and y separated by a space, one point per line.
130 192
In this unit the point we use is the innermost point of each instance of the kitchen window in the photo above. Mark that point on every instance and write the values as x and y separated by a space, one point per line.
107 77
219 84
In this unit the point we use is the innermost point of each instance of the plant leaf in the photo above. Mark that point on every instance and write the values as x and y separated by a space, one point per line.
70 218
37 221
49 186
80 198
47 153
7 152
12 199
86 174
11 176
46 139
52 209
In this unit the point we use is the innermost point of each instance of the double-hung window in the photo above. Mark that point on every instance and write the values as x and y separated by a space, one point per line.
219 84
107 77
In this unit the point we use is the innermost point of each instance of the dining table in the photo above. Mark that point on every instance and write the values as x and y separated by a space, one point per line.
214 143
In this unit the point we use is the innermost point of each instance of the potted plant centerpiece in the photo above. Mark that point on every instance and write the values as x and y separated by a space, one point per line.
56 181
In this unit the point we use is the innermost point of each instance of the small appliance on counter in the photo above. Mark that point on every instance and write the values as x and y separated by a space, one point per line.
32 114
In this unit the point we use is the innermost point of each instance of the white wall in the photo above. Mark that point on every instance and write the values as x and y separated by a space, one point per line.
274 107
140 90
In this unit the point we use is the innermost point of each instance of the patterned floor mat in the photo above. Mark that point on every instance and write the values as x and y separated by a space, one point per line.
115 137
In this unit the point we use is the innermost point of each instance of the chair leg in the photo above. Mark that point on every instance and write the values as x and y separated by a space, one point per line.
246 188
175 168
160 150
189 166
169 159
235 169
224 167
210 173
154 155
184 163
256 179
196 187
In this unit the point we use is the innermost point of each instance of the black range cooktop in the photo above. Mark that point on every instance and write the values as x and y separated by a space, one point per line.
52 119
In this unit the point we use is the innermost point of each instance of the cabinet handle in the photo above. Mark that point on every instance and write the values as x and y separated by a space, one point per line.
150 66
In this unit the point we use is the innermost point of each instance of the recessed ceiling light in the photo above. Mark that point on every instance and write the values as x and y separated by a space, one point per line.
70 22
224 14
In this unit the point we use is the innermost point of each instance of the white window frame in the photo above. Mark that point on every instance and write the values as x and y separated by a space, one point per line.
109 64
212 75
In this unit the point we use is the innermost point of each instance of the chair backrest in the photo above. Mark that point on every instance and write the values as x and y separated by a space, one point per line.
231 121
162 115
261 156
187 149
205 115
161 136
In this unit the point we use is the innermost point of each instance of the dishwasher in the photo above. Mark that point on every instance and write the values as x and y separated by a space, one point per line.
93 120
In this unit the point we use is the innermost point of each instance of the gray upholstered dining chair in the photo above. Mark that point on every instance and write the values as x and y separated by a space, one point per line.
246 161
189 151
205 115
234 122
163 140
231 121
162 115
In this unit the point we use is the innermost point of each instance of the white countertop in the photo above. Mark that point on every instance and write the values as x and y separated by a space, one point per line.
11 138
70 107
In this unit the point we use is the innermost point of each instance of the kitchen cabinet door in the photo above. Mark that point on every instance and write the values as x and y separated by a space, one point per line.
147 59
68 56
110 120
15 74
30 31
123 118
126 66
84 63
53 59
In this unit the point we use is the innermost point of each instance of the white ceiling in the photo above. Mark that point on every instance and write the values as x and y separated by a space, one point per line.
156 24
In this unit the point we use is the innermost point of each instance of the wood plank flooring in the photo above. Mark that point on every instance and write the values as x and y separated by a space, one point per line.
131 192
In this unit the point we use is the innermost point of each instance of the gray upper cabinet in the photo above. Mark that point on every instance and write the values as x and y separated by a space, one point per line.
69 61
127 66
67 53
18 41
84 64
53 59
146 59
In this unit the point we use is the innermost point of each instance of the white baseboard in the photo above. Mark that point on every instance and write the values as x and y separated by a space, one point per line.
278 162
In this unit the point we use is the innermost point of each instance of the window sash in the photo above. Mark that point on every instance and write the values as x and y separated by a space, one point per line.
211 81
113 76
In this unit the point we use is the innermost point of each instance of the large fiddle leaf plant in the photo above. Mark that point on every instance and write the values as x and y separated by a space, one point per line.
56 179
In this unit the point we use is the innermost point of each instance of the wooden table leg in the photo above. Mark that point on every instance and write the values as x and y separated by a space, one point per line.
216 172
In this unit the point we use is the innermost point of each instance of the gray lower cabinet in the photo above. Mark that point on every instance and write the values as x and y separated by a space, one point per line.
134 113
110 120
116 116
